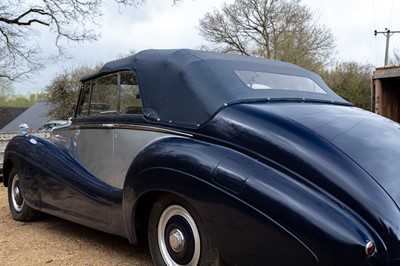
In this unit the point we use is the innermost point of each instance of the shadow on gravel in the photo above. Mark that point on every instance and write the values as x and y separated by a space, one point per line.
103 241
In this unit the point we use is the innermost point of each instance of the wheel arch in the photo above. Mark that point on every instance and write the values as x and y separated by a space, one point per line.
141 212
160 168
140 196
7 166
140 216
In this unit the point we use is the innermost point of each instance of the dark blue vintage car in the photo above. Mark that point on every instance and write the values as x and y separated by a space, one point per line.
218 159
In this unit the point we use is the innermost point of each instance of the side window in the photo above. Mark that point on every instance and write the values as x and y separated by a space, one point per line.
83 105
99 96
104 96
130 102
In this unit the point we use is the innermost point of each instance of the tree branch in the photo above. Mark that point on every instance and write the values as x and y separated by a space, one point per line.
18 21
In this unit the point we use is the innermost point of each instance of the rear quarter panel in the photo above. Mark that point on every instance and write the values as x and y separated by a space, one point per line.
263 216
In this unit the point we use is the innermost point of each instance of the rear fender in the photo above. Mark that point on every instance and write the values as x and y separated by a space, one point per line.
219 210
248 199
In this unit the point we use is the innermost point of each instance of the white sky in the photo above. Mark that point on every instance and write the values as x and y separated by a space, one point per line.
161 25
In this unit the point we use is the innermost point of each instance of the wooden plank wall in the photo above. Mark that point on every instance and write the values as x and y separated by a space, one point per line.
386 92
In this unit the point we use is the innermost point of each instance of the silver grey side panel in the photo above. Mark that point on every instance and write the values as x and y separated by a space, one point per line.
128 143
107 151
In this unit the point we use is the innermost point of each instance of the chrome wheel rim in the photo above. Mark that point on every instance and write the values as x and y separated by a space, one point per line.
178 237
16 196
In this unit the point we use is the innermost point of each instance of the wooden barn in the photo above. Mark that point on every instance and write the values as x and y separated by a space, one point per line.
385 98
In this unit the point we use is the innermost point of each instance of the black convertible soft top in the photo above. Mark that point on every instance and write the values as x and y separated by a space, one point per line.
188 87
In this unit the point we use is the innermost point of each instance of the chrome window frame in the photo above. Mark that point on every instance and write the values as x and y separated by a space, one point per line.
80 102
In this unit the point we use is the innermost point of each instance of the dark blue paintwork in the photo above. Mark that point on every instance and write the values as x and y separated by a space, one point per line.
303 152
260 171
299 176
275 181
54 182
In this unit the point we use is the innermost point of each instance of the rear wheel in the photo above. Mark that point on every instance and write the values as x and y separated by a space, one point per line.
20 211
177 236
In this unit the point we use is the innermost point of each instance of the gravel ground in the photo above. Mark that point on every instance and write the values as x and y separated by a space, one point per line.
53 241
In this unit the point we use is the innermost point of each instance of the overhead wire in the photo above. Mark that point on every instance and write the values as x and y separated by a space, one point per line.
390 22
387 28
376 40
373 12
391 15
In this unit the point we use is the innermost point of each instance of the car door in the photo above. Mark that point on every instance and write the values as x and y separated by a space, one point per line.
127 143
83 195
94 127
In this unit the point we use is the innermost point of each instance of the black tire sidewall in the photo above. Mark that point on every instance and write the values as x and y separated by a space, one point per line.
164 201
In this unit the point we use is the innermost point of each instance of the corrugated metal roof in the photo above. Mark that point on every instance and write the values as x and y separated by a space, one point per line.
35 116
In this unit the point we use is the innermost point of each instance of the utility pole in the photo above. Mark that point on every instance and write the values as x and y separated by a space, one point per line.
387 33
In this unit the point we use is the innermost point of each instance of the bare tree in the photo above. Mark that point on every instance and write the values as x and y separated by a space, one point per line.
395 59
6 88
69 20
277 29
63 90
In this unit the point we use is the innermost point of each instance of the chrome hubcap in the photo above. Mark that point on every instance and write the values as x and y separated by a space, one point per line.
176 240
16 196
178 237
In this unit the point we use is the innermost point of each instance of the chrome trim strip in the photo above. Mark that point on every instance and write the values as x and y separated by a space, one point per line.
133 127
